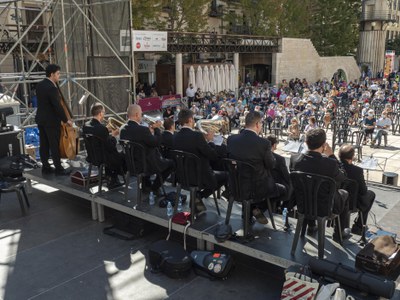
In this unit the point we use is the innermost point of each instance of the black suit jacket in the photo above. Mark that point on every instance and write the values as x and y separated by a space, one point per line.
167 139
316 163
356 173
194 142
281 173
113 157
134 132
249 147
49 110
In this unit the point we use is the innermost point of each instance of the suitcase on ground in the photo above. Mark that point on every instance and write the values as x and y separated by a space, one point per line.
380 256
169 257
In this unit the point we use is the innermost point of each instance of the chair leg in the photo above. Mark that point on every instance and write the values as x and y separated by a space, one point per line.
303 227
246 219
193 192
21 202
229 211
339 229
216 203
100 178
25 196
321 237
127 179
364 227
89 175
178 194
139 180
299 225
271 216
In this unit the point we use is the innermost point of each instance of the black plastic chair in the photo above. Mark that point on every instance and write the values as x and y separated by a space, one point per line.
307 195
351 186
136 164
96 156
188 177
14 185
357 138
236 169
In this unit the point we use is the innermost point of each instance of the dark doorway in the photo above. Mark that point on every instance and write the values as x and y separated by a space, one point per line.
259 72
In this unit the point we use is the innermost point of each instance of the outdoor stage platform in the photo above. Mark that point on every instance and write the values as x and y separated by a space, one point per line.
271 246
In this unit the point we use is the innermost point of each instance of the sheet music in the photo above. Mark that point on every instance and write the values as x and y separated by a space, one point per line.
293 146
218 140
369 163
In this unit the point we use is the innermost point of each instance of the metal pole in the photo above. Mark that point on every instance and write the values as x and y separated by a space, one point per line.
66 55
21 53
133 81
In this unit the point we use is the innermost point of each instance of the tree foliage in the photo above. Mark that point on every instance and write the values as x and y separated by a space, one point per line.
394 44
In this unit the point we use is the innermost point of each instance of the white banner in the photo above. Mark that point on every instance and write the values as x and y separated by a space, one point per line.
150 41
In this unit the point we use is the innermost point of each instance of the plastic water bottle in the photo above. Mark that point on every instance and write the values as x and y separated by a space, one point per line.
152 199
284 215
169 209
180 204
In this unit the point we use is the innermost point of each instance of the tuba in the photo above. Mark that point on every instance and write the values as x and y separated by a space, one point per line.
113 124
218 126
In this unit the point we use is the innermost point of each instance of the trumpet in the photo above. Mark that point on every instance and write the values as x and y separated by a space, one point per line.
150 120
113 124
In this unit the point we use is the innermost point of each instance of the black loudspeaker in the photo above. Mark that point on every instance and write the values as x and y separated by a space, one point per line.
348 276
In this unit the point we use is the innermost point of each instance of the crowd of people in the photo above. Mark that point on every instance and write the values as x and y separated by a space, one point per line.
306 111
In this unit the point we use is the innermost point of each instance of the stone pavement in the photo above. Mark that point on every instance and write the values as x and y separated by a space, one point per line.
390 154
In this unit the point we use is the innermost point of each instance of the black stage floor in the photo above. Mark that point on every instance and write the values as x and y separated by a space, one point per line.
270 246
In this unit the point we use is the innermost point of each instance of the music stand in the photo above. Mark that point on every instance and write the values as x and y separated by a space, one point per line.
373 163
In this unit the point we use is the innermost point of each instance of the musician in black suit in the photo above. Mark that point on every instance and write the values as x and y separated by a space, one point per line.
320 159
280 173
365 198
114 160
167 136
150 138
49 116
249 147
196 143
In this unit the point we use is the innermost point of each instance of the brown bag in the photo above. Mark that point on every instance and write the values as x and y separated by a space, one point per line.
380 256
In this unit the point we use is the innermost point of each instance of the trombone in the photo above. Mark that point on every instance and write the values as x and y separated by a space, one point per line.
114 124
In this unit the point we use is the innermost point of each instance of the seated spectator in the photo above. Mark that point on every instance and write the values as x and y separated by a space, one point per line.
369 125
382 126
312 124
319 159
365 198
294 130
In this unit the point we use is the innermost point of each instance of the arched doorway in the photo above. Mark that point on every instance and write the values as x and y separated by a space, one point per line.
339 76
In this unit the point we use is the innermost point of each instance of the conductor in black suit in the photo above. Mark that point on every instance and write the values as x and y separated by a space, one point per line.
114 160
196 143
150 138
320 159
249 147
365 198
49 116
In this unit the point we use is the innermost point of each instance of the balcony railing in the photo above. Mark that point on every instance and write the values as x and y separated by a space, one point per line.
378 15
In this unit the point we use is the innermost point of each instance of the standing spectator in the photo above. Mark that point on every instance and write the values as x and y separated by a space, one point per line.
190 93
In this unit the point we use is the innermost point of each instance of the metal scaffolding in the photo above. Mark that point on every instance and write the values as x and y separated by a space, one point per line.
82 36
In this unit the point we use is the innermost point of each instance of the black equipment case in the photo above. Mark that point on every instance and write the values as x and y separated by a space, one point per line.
380 256
169 257
215 264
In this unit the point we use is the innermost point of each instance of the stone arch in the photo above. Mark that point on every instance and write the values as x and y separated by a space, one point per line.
340 74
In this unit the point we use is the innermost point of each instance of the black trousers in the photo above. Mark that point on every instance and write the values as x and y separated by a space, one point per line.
221 177
50 143
364 204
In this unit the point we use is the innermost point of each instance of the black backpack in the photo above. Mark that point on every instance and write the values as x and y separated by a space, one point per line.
169 257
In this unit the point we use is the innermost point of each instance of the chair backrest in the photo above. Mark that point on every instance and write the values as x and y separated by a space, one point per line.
351 186
357 137
239 173
95 148
135 157
187 169
314 194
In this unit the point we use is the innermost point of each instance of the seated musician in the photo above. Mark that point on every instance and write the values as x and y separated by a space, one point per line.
365 197
150 138
320 159
167 137
249 147
115 162
194 142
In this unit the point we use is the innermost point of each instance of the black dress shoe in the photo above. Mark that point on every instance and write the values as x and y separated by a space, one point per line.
62 172
47 169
